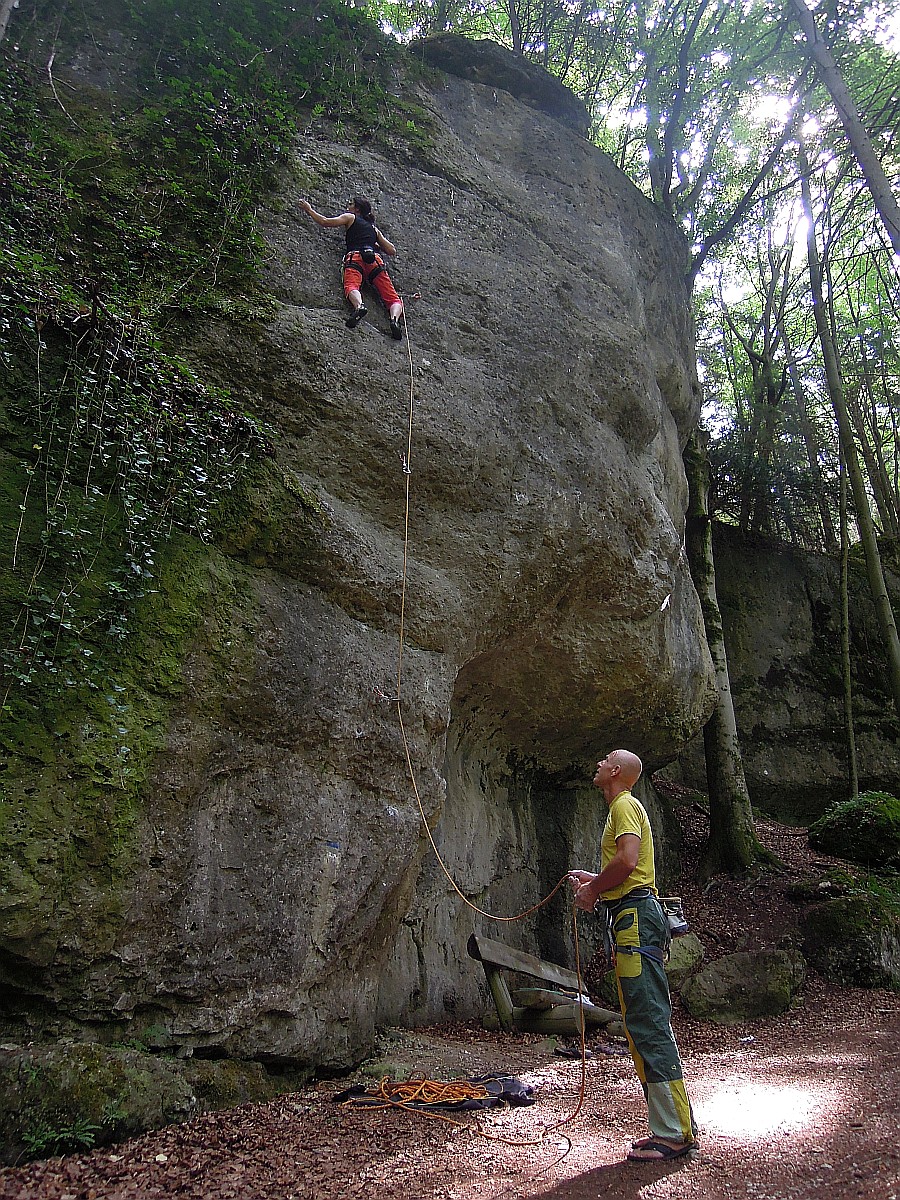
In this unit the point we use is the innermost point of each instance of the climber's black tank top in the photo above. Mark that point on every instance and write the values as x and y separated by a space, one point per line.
360 234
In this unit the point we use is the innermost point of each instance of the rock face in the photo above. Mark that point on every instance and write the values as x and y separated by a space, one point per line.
282 896
496 67
781 616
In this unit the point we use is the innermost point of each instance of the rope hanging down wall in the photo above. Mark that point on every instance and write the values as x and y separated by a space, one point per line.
397 700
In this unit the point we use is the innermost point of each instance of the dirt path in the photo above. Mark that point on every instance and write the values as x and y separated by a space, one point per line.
805 1105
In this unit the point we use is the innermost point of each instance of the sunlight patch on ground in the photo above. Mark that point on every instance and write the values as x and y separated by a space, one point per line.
739 1109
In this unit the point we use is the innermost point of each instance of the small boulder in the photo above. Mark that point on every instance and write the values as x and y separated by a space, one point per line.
685 956
865 830
739 987
854 940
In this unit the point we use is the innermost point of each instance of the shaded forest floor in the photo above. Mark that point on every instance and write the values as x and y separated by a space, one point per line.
800 1105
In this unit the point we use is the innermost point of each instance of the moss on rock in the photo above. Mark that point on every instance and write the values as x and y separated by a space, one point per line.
854 940
75 766
71 1096
55 1099
270 518
865 830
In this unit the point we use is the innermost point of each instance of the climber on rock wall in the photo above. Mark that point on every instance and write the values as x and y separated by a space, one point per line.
362 262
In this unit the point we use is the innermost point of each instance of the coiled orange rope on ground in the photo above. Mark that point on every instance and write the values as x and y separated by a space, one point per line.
396 1093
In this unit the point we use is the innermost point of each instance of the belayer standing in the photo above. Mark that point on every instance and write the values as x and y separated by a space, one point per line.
625 892
362 262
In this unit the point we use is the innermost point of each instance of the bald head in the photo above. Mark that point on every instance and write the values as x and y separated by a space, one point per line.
619 770
630 766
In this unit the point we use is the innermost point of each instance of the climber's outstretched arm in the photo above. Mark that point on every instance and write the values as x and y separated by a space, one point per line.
344 219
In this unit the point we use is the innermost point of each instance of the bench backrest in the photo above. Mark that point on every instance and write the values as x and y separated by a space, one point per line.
495 954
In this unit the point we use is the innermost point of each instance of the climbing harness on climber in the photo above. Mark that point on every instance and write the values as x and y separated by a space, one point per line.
363 262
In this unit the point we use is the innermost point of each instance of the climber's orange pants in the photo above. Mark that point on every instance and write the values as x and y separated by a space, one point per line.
356 271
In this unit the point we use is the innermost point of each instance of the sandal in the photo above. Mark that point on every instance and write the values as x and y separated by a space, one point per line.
651 1150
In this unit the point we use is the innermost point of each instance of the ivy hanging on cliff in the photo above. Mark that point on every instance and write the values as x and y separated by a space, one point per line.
112 441
131 211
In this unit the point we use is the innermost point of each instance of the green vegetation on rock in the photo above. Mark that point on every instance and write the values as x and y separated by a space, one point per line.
865 830
75 762
129 211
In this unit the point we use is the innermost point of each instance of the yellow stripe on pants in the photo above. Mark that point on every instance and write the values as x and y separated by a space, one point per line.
647 1016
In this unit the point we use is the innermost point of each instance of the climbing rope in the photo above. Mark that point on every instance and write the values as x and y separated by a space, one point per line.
428 1091
393 1094
395 1089
397 697
404 1094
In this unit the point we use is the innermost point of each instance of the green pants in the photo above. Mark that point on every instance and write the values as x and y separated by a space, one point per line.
647 1015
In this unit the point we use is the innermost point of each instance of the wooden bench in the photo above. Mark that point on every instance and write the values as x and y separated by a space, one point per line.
553 1009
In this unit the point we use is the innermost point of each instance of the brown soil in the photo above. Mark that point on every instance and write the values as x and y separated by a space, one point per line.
803 1105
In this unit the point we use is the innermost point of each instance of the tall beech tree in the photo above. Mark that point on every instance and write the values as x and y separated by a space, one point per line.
732 845
812 445
846 659
857 482
857 134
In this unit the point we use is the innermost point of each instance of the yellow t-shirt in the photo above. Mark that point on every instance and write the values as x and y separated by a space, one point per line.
627 815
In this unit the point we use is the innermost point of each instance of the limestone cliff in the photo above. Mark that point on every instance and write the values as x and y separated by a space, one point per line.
280 897
782 621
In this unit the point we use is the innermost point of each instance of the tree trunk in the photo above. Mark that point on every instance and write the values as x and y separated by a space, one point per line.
811 443
853 770
515 27
864 520
732 844
6 7
857 135
882 483
761 519
869 451
750 484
